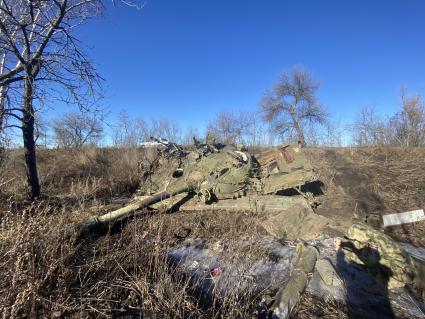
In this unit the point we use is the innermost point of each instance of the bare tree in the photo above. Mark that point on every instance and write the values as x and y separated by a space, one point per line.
292 104
41 129
370 129
167 129
334 133
226 128
405 128
76 129
130 131
189 134
239 127
408 125
3 88
42 59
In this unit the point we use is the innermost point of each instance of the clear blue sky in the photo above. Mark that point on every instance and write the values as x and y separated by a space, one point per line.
188 60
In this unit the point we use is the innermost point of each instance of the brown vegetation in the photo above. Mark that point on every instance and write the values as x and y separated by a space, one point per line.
38 45
363 183
86 172
405 128
125 273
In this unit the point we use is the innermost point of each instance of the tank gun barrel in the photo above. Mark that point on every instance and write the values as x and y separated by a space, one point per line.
94 223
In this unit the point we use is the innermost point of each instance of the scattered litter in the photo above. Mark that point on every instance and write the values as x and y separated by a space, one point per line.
403 218
264 265
217 271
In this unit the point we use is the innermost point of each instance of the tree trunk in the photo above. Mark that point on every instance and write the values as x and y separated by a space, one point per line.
28 137
2 93
298 129
2 102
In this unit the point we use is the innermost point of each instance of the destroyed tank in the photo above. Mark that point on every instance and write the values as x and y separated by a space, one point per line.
218 176
218 172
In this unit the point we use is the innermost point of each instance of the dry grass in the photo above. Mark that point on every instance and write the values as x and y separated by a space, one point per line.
84 173
312 308
364 183
126 274
395 177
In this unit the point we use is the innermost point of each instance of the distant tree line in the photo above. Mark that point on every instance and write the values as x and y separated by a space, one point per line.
241 127
289 111
76 129
405 128
128 131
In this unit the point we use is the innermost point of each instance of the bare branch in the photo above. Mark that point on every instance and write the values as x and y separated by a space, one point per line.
292 104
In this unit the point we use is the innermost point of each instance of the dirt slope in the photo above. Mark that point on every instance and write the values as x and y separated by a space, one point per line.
363 183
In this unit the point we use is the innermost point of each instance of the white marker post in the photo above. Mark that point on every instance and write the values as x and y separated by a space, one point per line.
403 218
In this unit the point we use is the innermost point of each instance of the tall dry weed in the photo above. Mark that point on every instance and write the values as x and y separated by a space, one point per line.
397 174
122 274
85 173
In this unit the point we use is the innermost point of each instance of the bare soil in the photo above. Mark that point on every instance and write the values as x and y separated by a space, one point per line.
361 184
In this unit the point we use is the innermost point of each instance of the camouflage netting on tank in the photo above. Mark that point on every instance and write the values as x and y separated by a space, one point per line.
221 175
226 172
